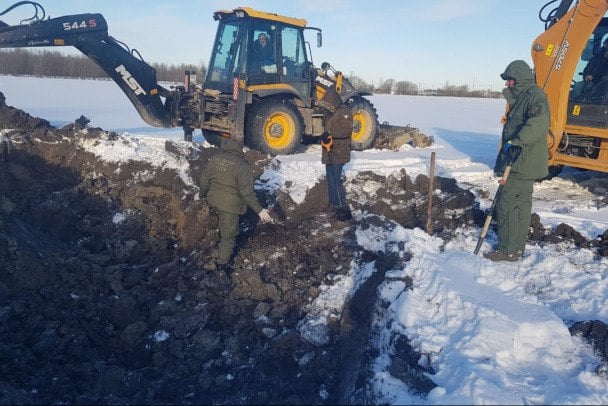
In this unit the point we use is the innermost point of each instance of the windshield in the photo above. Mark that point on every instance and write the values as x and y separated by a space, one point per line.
226 54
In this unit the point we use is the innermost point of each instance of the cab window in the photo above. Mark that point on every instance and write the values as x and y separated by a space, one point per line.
293 52
225 52
262 58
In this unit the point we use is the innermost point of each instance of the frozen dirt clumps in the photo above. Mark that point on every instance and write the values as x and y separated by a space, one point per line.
103 298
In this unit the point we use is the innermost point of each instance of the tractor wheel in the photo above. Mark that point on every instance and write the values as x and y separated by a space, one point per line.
365 123
274 126
554 170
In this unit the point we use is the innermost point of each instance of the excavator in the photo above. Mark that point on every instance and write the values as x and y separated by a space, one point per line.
271 105
574 32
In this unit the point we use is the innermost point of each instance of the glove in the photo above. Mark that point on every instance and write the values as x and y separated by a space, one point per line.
325 138
505 147
265 216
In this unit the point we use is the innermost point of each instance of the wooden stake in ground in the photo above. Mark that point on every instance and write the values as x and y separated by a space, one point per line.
429 222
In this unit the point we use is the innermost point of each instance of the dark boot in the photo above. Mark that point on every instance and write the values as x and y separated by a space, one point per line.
502 256
343 214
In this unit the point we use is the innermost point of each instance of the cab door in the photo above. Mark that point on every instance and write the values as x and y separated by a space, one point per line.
294 62
226 60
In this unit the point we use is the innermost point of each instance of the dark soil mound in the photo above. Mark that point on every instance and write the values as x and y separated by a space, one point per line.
14 118
596 332
393 137
103 298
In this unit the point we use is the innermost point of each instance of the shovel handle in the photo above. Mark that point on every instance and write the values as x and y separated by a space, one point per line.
505 175
486 225
484 231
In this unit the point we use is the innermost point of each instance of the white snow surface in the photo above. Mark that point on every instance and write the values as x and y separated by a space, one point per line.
493 333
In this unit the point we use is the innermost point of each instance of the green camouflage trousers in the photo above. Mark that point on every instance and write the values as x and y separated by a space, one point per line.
513 212
229 229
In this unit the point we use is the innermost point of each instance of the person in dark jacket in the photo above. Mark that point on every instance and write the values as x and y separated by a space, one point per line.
227 184
336 142
526 127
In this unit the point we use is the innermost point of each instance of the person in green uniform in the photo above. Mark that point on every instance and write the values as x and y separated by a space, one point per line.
227 184
526 126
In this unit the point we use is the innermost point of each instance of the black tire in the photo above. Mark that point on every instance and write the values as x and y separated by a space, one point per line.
274 126
365 123
554 170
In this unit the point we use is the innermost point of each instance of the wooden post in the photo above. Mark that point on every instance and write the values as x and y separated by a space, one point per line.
429 221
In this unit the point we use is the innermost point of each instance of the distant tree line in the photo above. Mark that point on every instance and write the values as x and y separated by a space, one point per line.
404 87
56 64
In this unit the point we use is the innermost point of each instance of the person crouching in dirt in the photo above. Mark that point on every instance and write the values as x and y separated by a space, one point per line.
336 143
227 184
526 127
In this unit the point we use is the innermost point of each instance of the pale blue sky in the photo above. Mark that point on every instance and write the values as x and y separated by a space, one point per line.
428 42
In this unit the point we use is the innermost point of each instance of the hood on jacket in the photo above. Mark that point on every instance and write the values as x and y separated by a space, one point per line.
520 71
230 145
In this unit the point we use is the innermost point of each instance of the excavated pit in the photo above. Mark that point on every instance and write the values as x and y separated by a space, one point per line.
103 298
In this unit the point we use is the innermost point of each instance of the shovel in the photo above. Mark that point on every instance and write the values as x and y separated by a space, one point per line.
514 152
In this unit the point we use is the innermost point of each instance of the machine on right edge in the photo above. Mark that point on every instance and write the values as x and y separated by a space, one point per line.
574 33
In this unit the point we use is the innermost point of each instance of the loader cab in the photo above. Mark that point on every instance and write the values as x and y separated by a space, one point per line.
593 60
574 33
588 100
260 48
585 132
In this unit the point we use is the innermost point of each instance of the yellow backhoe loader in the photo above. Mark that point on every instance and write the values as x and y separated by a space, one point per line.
269 102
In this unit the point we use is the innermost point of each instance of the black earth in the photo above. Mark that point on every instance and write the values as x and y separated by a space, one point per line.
103 298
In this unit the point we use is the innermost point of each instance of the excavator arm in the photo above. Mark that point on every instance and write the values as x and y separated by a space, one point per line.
89 34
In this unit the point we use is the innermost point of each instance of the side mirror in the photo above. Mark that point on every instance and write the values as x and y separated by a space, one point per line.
319 39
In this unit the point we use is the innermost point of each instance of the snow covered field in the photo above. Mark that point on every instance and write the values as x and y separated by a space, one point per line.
492 332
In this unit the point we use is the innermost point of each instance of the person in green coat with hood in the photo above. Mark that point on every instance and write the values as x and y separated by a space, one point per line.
526 126
227 184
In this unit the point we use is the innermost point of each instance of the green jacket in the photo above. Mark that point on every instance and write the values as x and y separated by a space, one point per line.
227 180
527 124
